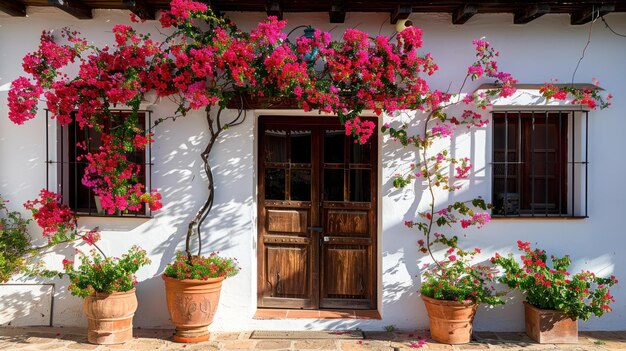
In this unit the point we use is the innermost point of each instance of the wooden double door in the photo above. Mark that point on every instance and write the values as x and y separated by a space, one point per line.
317 215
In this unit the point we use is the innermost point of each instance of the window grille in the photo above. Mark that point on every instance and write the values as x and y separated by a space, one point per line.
540 163
64 172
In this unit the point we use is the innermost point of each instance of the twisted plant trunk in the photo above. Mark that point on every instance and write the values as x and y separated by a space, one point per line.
215 129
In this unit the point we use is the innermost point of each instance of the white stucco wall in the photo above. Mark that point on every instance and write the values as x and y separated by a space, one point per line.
546 48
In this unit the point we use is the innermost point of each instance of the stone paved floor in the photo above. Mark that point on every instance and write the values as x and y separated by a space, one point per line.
43 338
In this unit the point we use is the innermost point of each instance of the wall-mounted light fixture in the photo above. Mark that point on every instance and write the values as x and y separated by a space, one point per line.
403 24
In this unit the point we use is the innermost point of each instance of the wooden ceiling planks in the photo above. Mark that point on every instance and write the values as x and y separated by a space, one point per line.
580 11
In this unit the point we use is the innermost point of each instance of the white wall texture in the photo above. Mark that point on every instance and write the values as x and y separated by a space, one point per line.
546 48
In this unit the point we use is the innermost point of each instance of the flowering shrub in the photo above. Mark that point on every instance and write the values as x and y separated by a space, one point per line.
14 242
198 267
581 96
56 219
99 274
579 295
207 62
455 278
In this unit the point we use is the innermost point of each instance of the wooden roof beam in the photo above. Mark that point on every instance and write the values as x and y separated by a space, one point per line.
337 13
273 8
13 8
75 8
401 12
463 13
140 8
588 14
531 13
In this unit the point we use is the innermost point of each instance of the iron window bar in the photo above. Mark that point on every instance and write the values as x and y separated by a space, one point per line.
526 166
63 160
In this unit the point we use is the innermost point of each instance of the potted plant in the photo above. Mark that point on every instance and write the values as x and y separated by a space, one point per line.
192 292
555 298
106 284
452 289
452 286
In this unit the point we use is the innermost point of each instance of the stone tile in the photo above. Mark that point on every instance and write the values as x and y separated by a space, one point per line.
577 347
224 336
336 314
118 347
12 345
74 337
270 314
124 346
238 345
433 345
621 335
480 336
50 346
379 335
162 334
81 346
315 345
410 336
473 346
604 335
614 345
303 314
399 345
273 345
367 314
39 339
365 345
149 344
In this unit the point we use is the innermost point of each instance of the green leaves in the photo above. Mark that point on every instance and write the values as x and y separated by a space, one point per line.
400 182
581 295
14 242
103 274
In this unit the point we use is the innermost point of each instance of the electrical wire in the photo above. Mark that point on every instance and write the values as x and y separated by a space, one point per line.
611 29
593 20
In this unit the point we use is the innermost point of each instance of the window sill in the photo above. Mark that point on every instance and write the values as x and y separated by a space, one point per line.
267 313
538 217
98 215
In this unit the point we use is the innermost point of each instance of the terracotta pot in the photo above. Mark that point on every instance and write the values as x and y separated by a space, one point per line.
110 317
192 304
450 321
550 326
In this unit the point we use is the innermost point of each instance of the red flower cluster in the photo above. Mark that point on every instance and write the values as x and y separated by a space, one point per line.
582 96
580 295
56 219
203 268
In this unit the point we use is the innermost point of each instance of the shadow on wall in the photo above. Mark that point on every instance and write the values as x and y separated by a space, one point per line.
400 254
26 304
179 175
186 190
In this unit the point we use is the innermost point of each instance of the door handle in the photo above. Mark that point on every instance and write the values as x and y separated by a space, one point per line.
316 229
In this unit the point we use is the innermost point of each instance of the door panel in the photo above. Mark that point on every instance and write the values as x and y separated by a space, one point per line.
346 270
287 270
317 215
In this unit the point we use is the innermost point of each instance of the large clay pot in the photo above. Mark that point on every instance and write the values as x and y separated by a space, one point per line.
192 304
110 317
450 321
550 326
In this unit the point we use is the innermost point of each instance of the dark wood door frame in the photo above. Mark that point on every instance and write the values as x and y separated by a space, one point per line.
302 245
